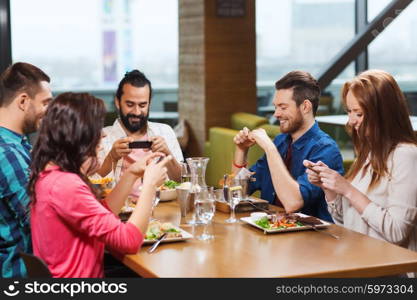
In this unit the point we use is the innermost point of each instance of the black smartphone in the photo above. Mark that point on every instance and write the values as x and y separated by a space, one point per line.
140 144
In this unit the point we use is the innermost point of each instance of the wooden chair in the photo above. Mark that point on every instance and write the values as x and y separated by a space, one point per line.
35 266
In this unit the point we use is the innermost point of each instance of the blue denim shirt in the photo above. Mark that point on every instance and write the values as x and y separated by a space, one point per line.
314 145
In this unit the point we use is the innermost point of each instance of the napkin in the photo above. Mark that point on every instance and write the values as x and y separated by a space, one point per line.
244 174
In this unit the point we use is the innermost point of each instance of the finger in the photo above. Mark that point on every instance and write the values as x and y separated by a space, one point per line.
123 152
308 164
165 160
122 145
127 139
312 173
325 175
240 141
320 169
156 139
320 163
151 157
157 148
313 176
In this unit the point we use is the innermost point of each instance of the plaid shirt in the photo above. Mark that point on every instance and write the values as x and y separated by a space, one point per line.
14 201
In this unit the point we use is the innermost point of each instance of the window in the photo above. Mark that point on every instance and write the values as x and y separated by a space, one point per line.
394 50
301 35
89 45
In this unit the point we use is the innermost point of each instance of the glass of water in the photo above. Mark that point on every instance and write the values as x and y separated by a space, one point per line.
233 198
155 203
205 207
185 172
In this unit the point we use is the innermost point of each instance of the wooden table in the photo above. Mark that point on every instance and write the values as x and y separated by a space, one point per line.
240 250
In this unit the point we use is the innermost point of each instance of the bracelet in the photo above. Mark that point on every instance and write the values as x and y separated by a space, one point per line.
240 166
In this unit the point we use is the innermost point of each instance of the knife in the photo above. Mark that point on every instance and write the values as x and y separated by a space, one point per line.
158 241
225 189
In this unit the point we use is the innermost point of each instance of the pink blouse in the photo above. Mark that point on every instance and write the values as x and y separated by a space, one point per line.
70 227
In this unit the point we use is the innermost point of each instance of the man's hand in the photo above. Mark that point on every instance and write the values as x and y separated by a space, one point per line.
159 145
243 140
261 138
120 148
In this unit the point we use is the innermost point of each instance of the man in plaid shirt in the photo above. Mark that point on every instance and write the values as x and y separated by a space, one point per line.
24 97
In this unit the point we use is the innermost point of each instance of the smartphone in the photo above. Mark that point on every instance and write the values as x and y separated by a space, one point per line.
140 144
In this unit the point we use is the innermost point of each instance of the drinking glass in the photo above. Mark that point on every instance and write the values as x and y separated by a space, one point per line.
234 196
185 172
155 203
205 207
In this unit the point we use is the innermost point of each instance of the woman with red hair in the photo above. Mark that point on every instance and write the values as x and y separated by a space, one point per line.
378 195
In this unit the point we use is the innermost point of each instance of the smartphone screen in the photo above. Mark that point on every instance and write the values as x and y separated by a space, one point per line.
140 144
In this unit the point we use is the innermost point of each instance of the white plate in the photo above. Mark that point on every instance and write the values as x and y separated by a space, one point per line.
274 230
166 200
167 195
185 236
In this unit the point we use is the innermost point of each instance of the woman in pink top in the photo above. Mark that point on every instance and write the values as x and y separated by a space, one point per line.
70 227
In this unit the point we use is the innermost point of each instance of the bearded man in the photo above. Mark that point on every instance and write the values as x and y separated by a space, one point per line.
280 173
132 100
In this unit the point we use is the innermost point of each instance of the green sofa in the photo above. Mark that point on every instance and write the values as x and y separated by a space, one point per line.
220 146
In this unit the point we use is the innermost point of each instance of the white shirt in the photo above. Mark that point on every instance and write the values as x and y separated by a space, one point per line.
392 213
116 131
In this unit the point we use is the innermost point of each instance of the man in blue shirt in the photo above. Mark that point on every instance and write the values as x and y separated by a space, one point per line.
280 173
24 97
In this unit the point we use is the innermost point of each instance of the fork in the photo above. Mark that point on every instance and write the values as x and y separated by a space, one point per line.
158 241
268 211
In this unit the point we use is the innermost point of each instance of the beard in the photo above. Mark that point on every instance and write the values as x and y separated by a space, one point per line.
134 126
291 126
31 121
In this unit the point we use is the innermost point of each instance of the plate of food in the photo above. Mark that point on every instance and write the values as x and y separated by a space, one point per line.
285 222
168 191
156 229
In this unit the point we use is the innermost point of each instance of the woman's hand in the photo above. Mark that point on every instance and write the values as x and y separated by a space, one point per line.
156 172
138 167
331 180
313 175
